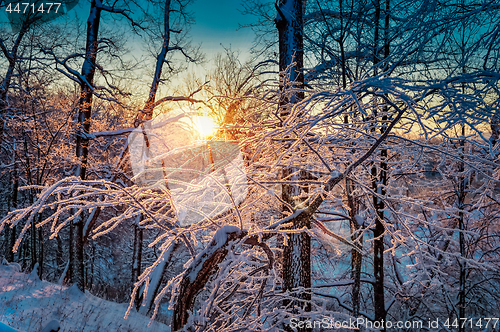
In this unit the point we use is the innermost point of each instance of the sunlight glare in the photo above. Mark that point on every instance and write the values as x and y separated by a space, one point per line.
205 125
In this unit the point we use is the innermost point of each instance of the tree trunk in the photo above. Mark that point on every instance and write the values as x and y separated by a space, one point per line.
85 102
40 248
463 184
495 129
147 113
297 251
12 233
462 187
11 240
6 237
379 176
71 252
92 265
356 256
135 254
33 246
352 203
378 243
78 263
82 138
137 257
139 251
23 254
289 23
201 268
59 255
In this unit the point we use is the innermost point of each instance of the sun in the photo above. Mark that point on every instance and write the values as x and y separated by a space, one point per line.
205 125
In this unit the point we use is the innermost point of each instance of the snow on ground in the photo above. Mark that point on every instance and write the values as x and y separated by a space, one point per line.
28 304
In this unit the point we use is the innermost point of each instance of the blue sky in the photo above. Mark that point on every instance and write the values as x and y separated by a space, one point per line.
217 22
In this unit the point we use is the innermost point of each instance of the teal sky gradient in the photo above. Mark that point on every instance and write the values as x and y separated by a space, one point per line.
217 23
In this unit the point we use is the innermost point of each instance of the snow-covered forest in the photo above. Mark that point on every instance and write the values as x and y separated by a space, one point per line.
344 176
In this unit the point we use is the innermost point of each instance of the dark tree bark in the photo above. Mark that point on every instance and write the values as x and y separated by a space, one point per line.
462 192
59 255
78 276
92 265
137 257
23 254
11 240
40 248
297 251
289 23
147 113
86 93
199 271
137 253
463 186
82 137
71 252
378 234
356 256
495 129
352 202
33 246
379 173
